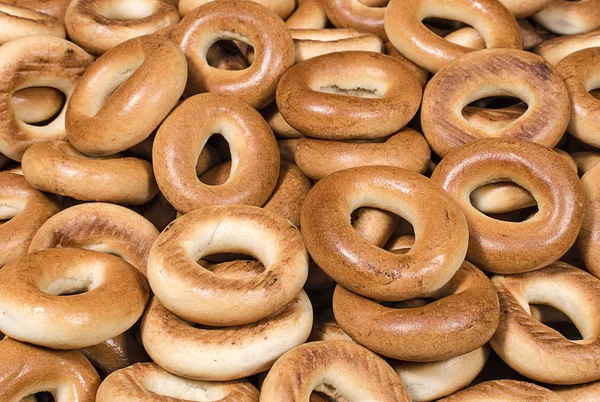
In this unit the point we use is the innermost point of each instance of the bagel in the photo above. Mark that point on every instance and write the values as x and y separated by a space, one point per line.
579 393
17 22
421 74
100 25
123 97
37 104
283 8
497 72
55 8
309 43
585 161
513 247
504 391
255 158
309 14
147 382
589 236
524 9
568 17
115 353
159 212
69 298
556 49
355 14
280 127
244 21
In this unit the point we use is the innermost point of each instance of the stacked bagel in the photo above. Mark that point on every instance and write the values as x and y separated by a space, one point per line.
309 200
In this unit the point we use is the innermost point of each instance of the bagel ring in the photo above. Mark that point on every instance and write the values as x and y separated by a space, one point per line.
404 27
462 319
283 8
334 368
27 369
243 21
493 72
226 353
17 22
179 141
37 104
585 161
25 210
20 67
200 296
513 247
348 95
58 168
100 227
100 25
116 104
33 308
503 391
540 352
556 49
309 14
355 14
309 43
569 17
440 228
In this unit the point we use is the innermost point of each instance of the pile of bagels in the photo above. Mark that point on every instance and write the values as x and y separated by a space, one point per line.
299 200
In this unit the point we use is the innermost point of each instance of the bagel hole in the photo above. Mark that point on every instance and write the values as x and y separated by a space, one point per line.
230 55
41 397
70 286
380 227
128 10
504 200
356 91
52 100
556 320
375 3
496 102
442 26
217 149
328 393
167 385
9 211
595 93
232 265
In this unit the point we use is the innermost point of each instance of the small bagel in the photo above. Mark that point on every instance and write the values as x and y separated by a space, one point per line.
37 104
32 308
283 8
524 9
355 14
17 22
179 141
201 296
28 369
513 247
535 350
569 17
147 382
310 43
462 319
55 8
319 158
495 72
504 391
404 27
115 353
123 97
36 61
100 227
334 368
243 21
556 49
310 14
348 95
440 228
100 25
223 354
24 210
59 168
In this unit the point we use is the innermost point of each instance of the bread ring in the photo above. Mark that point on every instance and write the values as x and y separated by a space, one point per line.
355 14
535 350
554 50
334 368
589 236
32 308
23 210
255 158
498 72
509 247
348 95
310 14
579 393
37 104
311 43
580 72
366 269
283 8
319 158
55 8
28 369
59 168
585 161
62 65
104 116
404 27
524 9
147 382
567 18
421 74
467 304
100 227
203 297
18 21
226 353
243 21
100 25
504 391
115 353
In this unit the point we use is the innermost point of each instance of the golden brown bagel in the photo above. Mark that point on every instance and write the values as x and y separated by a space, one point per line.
310 43
513 247
404 27
115 353
38 304
589 236
123 97
23 209
179 141
585 161
283 8
100 25
101 227
37 104
504 391
498 72
364 268
55 8
569 17
355 14
348 95
36 61
535 350
556 49
310 14
339 369
244 21
19 21
59 168
147 382
421 74
28 369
